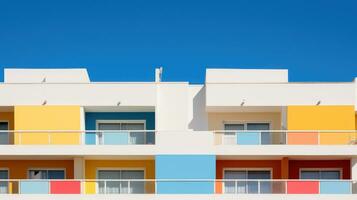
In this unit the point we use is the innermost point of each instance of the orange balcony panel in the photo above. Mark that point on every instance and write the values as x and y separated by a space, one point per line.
303 138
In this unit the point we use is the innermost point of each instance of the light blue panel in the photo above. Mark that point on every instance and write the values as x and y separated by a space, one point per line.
335 187
185 167
116 138
91 138
185 187
34 187
248 138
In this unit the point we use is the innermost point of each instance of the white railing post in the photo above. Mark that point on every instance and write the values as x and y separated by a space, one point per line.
129 191
49 137
129 134
20 137
235 187
81 138
105 187
19 186
260 137
259 182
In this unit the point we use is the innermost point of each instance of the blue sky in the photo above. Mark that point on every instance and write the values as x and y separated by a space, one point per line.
125 40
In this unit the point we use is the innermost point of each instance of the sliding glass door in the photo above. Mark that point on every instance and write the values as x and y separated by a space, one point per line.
243 181
122 133
4 185
121 182
4 135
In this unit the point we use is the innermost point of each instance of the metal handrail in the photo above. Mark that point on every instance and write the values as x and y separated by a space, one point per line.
190 180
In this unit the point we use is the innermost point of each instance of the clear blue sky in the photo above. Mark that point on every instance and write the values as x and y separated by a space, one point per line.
125 40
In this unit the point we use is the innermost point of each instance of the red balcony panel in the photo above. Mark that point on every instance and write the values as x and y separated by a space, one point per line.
303 187
65 187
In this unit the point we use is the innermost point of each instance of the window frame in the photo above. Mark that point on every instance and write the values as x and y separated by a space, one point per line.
8 129
97 122
246 122
46 169
117 169
321 170
6 169
270 169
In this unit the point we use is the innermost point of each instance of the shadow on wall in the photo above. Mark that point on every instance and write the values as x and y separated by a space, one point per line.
199 120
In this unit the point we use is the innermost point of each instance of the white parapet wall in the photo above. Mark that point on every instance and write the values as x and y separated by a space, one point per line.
246 76
84 94
278 94
46 75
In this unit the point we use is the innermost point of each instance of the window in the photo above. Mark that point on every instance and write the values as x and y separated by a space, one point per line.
121 187
4 135
133 137
46 174
121 126
4 174
320 174
250 187
265 136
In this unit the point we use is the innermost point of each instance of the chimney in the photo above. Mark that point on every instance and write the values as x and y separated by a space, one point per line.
158 74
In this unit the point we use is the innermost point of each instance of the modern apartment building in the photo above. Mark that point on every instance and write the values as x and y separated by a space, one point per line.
244 134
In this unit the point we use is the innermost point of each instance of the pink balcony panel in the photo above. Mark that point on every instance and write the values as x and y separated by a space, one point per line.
303 187
65 187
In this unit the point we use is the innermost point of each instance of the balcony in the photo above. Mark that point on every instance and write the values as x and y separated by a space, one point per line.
235 187
72 137
149 143
286 137
148 137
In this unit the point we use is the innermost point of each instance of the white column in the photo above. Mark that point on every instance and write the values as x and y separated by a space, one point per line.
284 125
79 168
82 125
354 168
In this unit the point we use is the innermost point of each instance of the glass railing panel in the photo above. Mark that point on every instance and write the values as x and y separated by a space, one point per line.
185 187
34 187
248 138
335 187
278 187
4 138
302 187
121 137
65 187
142 186
4 187
115 138
285 137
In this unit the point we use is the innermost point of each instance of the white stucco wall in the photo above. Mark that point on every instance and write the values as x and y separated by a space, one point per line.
198 117
283 94
172 106
246 76
84 94
49 75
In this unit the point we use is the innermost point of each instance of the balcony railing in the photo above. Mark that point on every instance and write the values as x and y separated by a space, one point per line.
183 186
286 137
73 137
148 137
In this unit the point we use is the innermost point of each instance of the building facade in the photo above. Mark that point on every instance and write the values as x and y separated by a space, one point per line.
244 134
